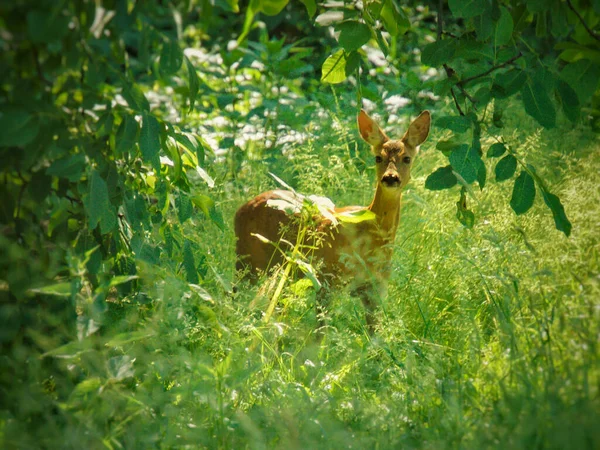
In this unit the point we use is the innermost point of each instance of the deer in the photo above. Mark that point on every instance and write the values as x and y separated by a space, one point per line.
354 253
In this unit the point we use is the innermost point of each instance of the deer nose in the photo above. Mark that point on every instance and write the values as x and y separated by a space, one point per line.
391 179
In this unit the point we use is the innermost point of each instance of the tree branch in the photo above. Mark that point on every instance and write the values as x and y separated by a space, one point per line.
585 25
487 72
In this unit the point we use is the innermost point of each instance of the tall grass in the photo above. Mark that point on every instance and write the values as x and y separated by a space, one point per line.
488 337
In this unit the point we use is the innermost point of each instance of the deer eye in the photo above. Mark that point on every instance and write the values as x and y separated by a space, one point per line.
378 159
406 160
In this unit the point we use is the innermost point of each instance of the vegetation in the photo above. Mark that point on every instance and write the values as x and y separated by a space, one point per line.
131 132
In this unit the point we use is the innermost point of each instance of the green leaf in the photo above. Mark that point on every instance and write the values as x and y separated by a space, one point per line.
467 8
272 7
135 98
58 289
189 263
98 207
438 53
538 104
459 124
523 193
193 82
508 83
583 77
352 63
442 178
496 150
463 214
70 167
127 135
171 58
150 141
506 168
536 6
207 206
121 279
466 161
558 212
484 26
504 28
353 35
18 127
334 68
569 101
311 7
184 207
394 19
361 215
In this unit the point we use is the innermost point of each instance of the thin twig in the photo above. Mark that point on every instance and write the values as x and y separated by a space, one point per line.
460 111
585 25
490 70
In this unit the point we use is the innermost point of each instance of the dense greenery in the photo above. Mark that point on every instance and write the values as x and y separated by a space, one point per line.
131 131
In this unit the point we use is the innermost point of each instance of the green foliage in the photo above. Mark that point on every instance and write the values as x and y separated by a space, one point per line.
131 132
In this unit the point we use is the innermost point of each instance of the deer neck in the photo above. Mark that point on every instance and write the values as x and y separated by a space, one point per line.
386 207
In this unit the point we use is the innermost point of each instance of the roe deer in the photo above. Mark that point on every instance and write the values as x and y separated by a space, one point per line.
358 253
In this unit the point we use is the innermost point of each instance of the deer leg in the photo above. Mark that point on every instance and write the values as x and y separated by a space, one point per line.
368 296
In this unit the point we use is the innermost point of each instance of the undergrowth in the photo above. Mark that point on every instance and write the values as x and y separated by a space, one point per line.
488 336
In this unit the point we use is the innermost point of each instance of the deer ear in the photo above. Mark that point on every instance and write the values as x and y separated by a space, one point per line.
369 130
418 130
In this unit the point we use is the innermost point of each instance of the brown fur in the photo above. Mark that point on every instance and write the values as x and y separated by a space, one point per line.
357 253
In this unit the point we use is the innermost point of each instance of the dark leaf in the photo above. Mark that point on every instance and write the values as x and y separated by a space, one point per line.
466 161
353 35
523 193
496 150
558 212
438 53
150 141
459 124
442 178
538 103
506 168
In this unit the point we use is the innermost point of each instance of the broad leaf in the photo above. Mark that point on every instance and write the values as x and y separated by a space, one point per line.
193 82
442 178
538 103
459 124
334 68
311 7
583 77
272 7
17 127
506 168
171 57
523 193
467 8
353 35
184 207
496 150
438 53
135 98
358 216
394 19
127 134
98 207
508 83
558 212
503 29
70 167
466 161
189 263
150 141
569 101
